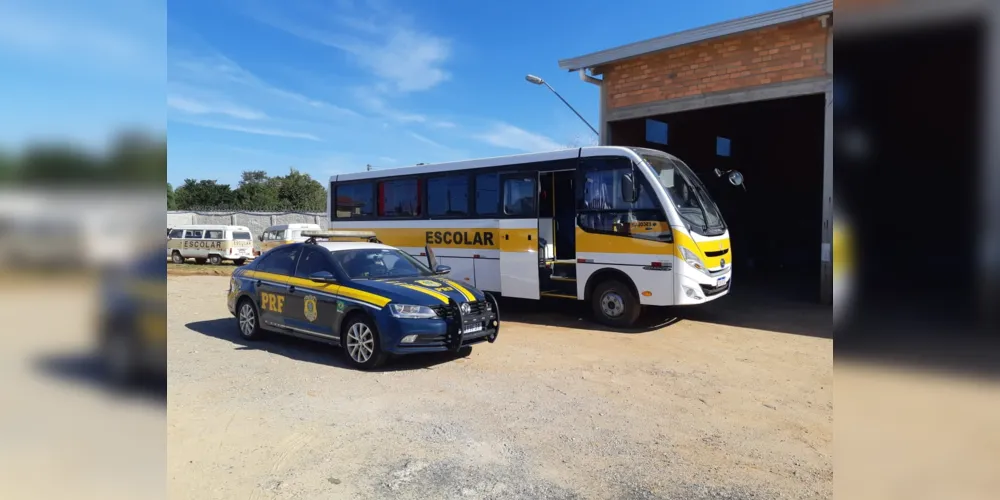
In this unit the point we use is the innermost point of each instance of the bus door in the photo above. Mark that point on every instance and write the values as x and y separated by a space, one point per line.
519 235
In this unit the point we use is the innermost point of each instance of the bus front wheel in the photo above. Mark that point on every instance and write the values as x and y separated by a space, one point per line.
615 304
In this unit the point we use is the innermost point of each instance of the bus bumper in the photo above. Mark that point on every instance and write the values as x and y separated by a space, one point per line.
695 287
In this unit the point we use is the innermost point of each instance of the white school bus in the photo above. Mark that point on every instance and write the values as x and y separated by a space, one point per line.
618 227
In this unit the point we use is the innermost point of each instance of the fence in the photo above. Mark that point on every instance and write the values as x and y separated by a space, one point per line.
256 221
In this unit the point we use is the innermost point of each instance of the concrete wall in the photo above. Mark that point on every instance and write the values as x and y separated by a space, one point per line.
776 54
256 221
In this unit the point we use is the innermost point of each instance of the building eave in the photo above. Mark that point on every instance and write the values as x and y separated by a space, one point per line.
743 24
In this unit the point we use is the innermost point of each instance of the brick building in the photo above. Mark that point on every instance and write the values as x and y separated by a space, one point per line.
752 94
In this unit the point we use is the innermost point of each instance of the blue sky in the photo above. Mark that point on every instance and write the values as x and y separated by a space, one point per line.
326 86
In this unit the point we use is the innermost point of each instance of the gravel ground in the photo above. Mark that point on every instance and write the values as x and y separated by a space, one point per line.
692 410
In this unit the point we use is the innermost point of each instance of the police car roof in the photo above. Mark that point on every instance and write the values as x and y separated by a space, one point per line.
336 246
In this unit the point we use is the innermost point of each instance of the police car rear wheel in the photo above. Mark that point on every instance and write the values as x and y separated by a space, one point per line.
214 260
248 323
177 258
119 359
361 343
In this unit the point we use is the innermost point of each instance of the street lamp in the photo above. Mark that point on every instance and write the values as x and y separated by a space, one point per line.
538 81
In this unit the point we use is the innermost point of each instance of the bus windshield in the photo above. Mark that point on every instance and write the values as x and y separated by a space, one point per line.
687 194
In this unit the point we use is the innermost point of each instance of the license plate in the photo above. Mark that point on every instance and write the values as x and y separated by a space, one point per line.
721 282
472 329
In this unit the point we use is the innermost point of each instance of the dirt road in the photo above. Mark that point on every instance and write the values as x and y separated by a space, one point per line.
692 410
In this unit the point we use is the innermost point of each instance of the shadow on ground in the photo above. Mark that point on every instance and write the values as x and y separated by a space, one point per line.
576 314
312 351
752 306
770 302
85 368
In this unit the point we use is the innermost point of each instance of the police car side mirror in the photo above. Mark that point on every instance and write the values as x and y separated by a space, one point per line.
322 277
442 269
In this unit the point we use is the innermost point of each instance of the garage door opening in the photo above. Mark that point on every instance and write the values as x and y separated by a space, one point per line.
776 224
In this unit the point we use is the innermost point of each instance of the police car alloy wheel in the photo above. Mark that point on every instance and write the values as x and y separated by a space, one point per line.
361 343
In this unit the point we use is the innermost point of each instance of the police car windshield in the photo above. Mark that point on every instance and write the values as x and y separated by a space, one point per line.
376 263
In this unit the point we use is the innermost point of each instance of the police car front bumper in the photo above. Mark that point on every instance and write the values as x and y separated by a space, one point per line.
452 331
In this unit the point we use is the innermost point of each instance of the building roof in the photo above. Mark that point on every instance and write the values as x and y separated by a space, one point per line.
781 16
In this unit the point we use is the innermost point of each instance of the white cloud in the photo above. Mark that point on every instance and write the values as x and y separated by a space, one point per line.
378 106
216 70
508 136
274 132
88 36
443 124
425 140
387 159
197 107
407 59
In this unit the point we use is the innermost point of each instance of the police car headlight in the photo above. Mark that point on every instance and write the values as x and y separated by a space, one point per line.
693 260
411 312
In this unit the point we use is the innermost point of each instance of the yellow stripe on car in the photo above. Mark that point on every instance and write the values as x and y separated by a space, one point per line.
440 296
461 289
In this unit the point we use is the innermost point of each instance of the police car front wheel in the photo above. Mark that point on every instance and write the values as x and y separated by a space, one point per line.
361 343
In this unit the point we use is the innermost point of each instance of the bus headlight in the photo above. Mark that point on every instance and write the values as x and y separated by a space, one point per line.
693 260
411 312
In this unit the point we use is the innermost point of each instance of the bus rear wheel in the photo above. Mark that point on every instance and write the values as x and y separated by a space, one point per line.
615 304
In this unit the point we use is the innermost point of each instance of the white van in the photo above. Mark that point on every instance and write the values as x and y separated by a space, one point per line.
210 243
282 234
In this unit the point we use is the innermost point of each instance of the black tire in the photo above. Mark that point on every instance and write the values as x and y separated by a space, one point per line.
613 296
250 330
215 260
199 260
177 257
120 359
240 262
357 325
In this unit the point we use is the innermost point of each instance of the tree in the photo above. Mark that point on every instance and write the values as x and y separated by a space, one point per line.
171 198
256 191
203 195
298 191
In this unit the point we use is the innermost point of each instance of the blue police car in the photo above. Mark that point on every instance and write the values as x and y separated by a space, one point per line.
371 299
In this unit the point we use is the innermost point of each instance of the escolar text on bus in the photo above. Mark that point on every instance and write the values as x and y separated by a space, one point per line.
460 238
216 245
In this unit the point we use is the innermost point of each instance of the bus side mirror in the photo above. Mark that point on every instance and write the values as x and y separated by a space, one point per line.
629 192
431 260
260 238
735 178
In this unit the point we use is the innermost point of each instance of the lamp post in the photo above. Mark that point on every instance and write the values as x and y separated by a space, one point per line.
538 81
